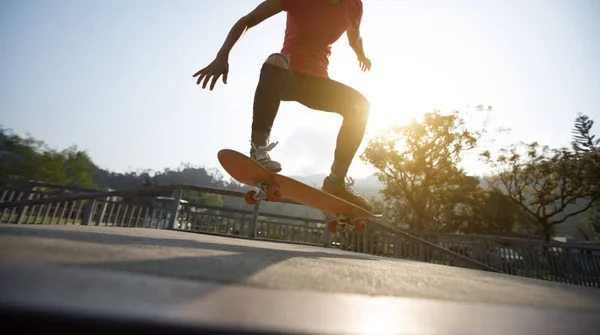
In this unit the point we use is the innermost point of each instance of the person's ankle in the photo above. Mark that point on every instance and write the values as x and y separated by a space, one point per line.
335 179
259 139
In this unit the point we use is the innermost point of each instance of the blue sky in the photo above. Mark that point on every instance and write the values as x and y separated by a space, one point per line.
115 77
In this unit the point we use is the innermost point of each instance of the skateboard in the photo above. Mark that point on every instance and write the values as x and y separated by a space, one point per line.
273 187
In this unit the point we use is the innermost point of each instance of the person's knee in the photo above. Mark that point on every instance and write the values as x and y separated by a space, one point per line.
360 110
279 60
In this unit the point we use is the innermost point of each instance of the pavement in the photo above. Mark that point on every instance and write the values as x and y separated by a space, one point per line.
272 286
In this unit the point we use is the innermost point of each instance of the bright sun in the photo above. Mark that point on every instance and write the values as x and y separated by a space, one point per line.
396 94
399 87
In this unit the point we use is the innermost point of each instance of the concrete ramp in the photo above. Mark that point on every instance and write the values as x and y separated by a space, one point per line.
143 279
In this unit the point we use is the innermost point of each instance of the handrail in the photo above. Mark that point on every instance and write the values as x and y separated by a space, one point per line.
31 183
136 191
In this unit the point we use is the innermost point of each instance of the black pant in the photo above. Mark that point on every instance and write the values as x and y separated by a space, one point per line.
277 84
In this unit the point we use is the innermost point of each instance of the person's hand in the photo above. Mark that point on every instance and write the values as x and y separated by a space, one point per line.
365 64
218 67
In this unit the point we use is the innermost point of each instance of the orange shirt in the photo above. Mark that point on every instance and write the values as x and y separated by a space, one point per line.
311 29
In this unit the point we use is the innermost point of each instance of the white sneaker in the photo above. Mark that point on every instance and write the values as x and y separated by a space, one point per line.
261 156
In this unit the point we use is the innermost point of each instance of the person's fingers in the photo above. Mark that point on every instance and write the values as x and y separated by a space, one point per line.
214 81
225 77
199 72
200 78
202 74
206 79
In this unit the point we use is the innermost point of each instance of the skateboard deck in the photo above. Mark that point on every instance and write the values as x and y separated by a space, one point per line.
274 187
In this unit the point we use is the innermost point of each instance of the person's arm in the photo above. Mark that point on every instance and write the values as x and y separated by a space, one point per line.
356 43
220 65
262 12
355 39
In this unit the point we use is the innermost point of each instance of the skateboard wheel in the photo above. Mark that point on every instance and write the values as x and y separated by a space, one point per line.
332 225
249 198
360 226
273 194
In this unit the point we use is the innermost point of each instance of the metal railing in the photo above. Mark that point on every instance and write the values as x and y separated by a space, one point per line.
39 203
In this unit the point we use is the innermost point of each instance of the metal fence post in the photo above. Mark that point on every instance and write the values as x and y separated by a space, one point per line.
397 247
88 212
104 205
177 194
306 224
365 239
255 212
326 236
23 212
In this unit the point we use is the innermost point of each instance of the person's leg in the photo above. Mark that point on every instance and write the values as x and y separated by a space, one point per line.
274 76
331 96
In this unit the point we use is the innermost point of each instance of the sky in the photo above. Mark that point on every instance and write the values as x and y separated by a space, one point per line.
115 77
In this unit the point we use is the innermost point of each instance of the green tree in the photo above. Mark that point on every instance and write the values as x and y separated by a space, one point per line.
544 182
586 146
497 214
583 139
593 220
19 155
30 159
201 198
419 167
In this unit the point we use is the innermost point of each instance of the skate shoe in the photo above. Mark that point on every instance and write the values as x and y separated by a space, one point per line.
261 155
346 192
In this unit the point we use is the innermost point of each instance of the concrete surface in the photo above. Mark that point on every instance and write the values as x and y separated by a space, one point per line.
279 272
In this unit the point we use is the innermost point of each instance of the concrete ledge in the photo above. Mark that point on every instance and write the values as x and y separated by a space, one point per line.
181 304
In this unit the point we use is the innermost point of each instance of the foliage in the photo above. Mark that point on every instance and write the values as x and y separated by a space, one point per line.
593 220
418 165
30 159
208 199
544 182
583 139
586 146
499 215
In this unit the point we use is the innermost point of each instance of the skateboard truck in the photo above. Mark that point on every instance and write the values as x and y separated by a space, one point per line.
268 192
343 223
271 192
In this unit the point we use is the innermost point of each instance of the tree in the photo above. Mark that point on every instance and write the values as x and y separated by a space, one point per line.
583 140
19 155
201 198
30 159
497 214
418 165
544 182
586 147
593 220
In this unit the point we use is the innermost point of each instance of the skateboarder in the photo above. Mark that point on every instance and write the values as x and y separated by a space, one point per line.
300 73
